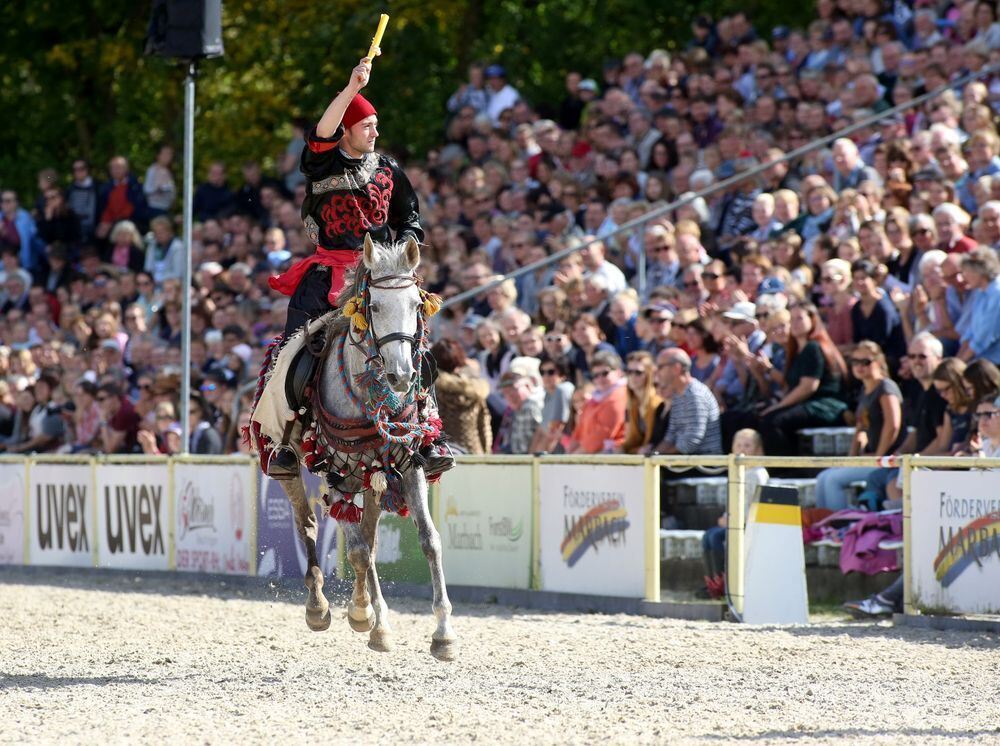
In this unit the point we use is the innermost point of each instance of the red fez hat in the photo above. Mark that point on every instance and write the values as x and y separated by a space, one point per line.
359 108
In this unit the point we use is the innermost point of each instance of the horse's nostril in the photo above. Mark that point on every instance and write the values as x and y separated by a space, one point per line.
393 378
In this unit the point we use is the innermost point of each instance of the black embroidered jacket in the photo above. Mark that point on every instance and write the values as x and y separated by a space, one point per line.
347 197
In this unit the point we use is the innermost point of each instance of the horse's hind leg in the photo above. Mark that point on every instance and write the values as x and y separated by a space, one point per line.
443 640
317 607
380 638
360 614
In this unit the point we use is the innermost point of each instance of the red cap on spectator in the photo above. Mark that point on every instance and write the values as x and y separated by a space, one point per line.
580 149
359 108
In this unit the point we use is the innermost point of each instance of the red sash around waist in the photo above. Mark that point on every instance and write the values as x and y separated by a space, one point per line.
338 260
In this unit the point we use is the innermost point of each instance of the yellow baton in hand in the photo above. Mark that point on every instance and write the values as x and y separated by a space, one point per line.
373 50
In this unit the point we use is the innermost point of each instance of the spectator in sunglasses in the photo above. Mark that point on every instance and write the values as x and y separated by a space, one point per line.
556 406
988 420
601 426
879 430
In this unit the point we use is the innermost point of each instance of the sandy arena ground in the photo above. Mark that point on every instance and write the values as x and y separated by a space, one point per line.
110 658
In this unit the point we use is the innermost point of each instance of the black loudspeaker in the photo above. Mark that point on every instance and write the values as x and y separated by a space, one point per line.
185 29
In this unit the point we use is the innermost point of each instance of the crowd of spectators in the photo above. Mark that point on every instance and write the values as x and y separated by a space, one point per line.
800 297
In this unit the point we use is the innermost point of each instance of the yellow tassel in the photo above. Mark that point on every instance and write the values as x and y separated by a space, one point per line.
359 322
432 303
351 307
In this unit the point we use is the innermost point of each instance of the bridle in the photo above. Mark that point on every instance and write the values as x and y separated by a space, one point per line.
393 281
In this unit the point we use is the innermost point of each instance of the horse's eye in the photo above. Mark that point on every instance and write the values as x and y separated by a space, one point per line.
373 307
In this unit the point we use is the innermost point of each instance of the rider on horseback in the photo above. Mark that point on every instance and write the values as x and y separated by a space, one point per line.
351 192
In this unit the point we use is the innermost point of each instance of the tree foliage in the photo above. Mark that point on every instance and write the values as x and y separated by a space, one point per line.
74 81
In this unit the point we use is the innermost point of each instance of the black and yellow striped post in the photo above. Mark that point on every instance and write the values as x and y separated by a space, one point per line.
774 585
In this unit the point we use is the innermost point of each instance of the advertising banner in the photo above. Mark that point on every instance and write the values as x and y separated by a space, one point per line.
12 514
213 510
399 557
592 529
62 512
486 525
955 535
280 552
133 516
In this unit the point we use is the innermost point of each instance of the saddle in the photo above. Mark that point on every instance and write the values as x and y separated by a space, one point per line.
303 372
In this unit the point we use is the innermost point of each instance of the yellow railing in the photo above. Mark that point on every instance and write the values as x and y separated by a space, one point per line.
733 466
735 469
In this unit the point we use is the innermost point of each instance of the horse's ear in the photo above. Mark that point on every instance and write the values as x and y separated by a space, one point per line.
412 252
369 255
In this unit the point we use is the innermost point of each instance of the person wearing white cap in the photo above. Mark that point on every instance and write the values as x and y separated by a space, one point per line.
741 344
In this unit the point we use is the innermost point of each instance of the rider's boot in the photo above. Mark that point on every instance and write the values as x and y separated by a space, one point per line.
284 463
437 457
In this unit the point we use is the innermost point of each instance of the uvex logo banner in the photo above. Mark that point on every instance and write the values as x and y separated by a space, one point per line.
11 514
61 503
592 520
213 513
133 516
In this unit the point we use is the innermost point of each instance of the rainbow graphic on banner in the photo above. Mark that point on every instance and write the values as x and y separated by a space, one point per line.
608 520
971 544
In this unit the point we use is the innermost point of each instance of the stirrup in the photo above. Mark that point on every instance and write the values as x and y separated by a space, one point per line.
283 463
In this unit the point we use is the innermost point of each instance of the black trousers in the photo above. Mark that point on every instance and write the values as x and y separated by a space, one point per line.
309 299
732 421
779 429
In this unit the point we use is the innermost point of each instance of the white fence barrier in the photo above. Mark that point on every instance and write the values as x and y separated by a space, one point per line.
484 515
133 516
13 513
955 539
585 525
63 514
593 529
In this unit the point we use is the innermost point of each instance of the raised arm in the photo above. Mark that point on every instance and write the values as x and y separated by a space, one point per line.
334 113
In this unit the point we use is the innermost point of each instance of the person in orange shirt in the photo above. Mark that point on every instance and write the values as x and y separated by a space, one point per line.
601 427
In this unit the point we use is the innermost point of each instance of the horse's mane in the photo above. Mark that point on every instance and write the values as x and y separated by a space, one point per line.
390 259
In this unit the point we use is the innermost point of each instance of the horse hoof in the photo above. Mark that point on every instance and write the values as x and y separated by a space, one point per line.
318 621
443 650
365 620
380 642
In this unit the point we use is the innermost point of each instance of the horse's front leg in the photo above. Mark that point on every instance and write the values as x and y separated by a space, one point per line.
317 607
443 641
380 638
360 614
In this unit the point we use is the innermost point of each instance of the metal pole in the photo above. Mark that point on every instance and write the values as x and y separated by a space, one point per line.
735 528
642 272
186 281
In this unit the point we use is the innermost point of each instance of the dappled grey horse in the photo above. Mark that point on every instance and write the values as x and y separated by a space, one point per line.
371 354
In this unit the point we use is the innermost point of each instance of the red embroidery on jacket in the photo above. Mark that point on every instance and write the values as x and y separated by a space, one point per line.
351 213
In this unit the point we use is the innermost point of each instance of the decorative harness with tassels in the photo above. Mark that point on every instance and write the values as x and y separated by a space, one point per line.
385 441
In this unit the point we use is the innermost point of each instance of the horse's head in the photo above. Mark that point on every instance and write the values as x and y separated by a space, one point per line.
394 303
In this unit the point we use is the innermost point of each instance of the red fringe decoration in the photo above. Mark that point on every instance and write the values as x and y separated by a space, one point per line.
252 434
345 511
